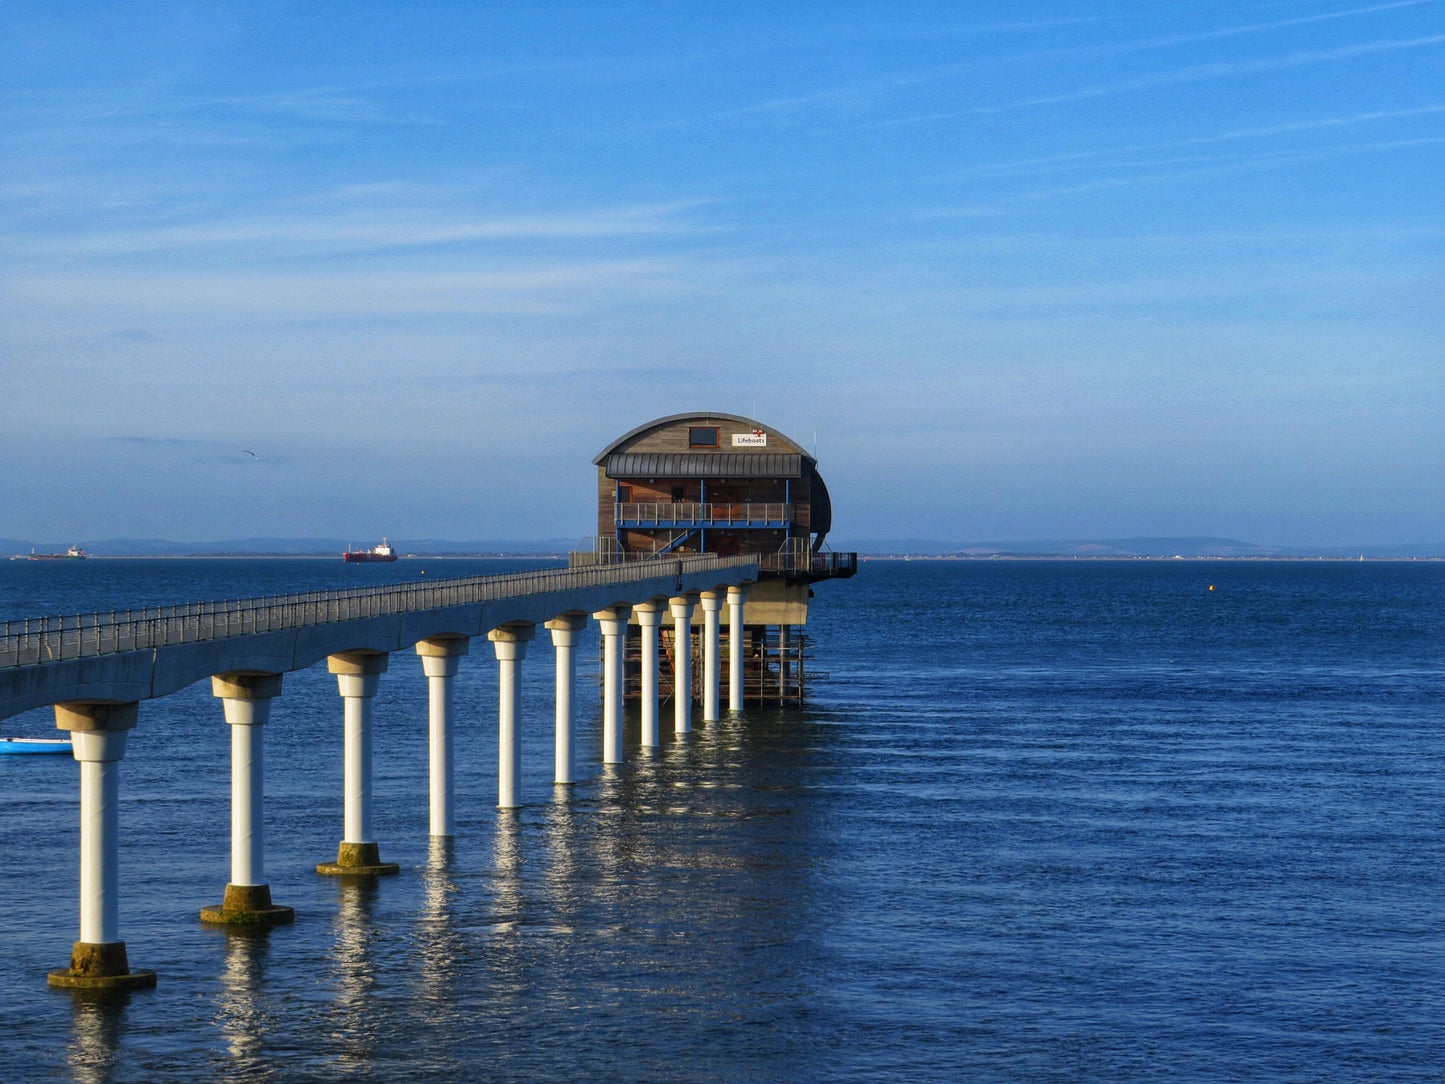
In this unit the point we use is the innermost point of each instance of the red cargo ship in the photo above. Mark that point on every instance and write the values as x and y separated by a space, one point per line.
383 552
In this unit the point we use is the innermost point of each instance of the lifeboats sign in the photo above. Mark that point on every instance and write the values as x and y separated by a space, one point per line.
756 439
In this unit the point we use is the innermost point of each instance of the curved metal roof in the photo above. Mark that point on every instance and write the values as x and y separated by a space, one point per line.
822 508
699 415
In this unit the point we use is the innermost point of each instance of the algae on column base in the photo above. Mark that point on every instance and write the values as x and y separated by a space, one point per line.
358 858
100 967
247 905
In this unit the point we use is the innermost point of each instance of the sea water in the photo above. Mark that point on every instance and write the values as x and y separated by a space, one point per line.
1041 821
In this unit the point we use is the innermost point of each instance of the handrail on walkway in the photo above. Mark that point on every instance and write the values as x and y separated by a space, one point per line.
59 638
712 513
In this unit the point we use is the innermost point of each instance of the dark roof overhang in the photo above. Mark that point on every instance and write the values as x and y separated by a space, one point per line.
703 465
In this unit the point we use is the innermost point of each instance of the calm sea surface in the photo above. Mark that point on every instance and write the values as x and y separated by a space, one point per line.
1044 821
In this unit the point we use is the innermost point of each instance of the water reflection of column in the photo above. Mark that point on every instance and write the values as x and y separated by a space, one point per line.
98 735
247 900
439 660
98 1025
510 644
681 606
561 843
354 1018
649 616
357 676
736 597
610 836
440 946
711 603
564 630
507 904
243 1019
613 623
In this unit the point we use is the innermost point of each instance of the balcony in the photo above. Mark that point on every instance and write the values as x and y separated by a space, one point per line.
820 565
646 515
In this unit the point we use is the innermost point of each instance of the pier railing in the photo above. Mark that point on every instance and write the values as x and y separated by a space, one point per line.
55 639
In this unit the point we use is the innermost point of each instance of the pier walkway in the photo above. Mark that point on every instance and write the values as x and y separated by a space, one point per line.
96 670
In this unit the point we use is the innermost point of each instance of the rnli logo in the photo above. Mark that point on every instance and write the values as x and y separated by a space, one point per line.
756 439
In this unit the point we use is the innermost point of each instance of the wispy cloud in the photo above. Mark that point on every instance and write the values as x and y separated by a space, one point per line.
1194 73
858 97
353 231
223 297
1175 40
1075 158
1169 170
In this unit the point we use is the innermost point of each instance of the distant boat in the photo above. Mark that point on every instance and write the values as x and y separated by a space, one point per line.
74 553
34 745
383 552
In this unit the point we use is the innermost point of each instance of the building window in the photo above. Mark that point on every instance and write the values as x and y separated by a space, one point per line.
703 436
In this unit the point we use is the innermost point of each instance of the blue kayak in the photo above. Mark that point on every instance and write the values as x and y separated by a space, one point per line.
34 745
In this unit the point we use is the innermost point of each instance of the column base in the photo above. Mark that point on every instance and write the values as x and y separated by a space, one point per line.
247 905
357 858
100 966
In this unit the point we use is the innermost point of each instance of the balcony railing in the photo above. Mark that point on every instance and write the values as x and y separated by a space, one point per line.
709 514
824 565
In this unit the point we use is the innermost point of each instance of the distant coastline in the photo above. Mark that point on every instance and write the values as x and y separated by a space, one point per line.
1134 557
309 556
1137 548
869 549
321 548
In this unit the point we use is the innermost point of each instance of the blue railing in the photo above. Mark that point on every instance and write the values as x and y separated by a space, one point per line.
712 514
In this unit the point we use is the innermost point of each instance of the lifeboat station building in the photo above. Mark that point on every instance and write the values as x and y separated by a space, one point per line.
729 485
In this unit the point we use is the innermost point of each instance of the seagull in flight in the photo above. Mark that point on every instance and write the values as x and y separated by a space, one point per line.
252 454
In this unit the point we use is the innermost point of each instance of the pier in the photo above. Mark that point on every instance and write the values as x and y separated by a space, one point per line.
98 671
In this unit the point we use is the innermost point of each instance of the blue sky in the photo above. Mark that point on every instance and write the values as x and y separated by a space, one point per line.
1014 270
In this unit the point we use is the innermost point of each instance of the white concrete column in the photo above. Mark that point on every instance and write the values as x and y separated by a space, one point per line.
613 623
510 643
358 673
248 779
649 617
440 659
99 753
564 630
711 604
736 597
246 700
681 606
358 691
98 737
